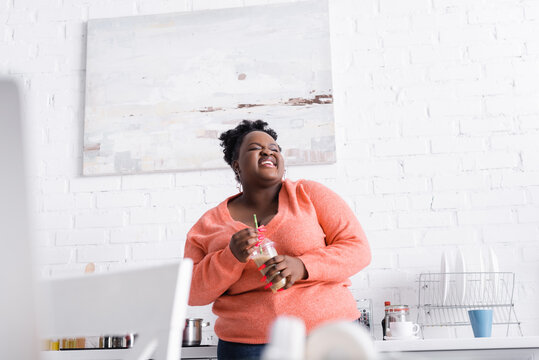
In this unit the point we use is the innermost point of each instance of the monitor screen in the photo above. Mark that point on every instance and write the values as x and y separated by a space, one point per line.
18 338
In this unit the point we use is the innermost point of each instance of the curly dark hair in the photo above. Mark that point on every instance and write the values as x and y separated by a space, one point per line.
231 139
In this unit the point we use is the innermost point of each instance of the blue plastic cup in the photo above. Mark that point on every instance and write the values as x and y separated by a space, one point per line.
481 321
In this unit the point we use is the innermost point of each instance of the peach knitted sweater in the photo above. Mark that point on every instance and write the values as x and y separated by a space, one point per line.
312 223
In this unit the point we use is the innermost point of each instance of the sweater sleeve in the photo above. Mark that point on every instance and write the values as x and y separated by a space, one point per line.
213 272
347 250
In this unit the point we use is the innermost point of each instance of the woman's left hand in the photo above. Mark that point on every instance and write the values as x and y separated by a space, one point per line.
288 267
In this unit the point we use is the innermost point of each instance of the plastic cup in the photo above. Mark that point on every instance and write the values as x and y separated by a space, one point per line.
481 321
262 253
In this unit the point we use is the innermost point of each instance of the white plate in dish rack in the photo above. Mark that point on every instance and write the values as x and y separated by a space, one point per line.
475 265
460 277
481 275
493 268
444 276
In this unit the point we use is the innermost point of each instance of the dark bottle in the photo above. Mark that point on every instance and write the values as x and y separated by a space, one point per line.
387 304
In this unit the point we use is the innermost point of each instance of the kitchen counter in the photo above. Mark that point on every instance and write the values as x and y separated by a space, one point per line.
521 342
506 348
194 352
199 352
499 348
509 348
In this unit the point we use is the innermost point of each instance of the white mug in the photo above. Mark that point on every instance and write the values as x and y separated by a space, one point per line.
403 329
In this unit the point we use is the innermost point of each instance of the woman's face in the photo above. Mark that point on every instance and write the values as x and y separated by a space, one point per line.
259 159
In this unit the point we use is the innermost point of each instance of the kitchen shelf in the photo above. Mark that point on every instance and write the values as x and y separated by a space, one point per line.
445 298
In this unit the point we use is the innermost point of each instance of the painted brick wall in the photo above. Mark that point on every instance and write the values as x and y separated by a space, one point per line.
437 125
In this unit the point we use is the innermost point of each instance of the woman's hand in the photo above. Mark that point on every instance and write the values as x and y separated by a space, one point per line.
288 267
241 244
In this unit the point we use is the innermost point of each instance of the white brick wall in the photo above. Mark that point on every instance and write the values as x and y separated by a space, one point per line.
437 122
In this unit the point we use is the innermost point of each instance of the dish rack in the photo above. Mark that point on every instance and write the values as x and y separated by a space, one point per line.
445 298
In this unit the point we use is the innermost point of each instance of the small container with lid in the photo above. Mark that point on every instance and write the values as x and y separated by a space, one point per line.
400 313
394 313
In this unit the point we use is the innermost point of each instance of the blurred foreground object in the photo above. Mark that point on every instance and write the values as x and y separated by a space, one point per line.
18 339
149 302
287 340
343 340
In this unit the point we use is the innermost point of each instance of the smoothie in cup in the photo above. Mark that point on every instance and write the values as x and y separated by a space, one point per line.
262 253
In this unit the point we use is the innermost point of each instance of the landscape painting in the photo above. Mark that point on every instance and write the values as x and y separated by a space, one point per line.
161 88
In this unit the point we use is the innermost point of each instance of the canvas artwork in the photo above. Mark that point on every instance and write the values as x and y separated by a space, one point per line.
161 88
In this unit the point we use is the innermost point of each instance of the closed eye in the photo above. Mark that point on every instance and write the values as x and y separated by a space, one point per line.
256 146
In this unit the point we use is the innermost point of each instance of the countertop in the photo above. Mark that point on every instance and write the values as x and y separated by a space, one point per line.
488 345
198 352
520 342
420 345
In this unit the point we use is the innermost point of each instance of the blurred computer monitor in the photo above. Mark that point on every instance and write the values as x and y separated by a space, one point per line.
18 339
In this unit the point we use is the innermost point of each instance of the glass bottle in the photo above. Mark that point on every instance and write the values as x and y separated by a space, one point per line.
385 320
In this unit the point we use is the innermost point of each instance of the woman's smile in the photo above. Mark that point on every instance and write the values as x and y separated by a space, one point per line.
267 163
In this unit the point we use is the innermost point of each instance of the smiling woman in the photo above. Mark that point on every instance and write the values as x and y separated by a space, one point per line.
319 241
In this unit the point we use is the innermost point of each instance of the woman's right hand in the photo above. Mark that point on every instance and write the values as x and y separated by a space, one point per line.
242 242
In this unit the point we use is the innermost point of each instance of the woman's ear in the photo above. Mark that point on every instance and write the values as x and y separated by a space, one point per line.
236 166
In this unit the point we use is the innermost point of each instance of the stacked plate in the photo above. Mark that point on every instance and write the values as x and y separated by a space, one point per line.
467 262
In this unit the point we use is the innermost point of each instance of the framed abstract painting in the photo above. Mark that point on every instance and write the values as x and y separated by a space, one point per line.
161 88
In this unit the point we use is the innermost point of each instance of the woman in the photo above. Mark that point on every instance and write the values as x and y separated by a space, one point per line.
319 241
